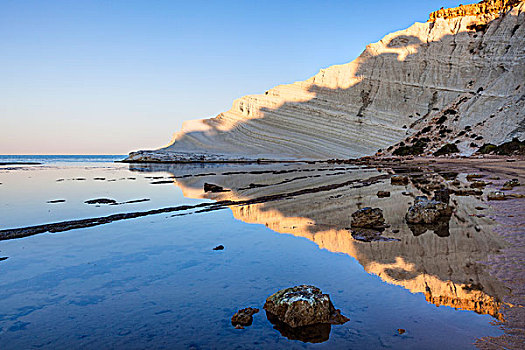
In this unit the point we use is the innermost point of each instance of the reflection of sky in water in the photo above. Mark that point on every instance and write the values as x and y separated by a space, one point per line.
156 282
24 193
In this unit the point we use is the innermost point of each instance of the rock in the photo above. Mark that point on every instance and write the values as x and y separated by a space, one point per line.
383 194
442 195
472 177
56 201
496 196
243 317
510 184
467 192
478 184
368 218
425 211
399 180
316 333
219 247
213 188
302 306
101 201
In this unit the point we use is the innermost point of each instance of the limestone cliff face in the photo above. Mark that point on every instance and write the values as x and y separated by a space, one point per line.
469 68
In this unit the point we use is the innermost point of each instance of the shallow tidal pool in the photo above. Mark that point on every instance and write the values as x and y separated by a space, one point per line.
156 282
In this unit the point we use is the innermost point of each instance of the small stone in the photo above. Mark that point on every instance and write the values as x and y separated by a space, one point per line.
383 194
243 317
219 247
368 218
399 180
478 184
496 196
56 201
101 201
213 188
471 177
510 184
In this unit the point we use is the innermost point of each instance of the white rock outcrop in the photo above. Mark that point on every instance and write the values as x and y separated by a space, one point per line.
464 71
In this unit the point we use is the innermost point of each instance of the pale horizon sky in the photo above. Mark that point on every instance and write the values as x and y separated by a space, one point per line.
110 77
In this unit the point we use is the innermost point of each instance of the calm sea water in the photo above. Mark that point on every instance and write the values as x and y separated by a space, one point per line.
155 282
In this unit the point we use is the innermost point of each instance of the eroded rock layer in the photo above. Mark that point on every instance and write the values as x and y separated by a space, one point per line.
466 71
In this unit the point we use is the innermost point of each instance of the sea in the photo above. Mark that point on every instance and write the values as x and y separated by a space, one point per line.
155 281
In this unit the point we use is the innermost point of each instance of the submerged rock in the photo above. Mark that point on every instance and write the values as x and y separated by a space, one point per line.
244 317
425 211
302 306
368 218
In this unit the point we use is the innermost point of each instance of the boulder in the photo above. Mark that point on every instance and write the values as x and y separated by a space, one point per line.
368 218
302 306
425 211
244 317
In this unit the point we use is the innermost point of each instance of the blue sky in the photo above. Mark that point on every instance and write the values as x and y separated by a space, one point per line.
108 77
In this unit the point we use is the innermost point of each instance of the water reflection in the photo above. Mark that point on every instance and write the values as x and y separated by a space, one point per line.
440 261
316 333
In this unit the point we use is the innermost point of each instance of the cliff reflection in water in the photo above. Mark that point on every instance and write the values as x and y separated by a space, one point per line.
441 262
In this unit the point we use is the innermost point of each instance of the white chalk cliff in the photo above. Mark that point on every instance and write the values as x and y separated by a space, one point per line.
464 67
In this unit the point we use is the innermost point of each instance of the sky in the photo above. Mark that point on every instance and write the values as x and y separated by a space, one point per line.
110 77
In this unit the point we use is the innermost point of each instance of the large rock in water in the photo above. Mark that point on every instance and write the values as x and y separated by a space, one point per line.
458 76
302 306
425 211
